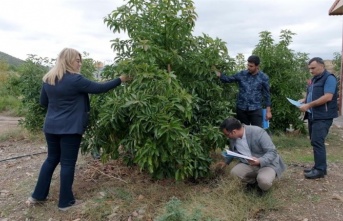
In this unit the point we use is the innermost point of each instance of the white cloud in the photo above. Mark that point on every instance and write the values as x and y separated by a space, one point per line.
44 27
239 22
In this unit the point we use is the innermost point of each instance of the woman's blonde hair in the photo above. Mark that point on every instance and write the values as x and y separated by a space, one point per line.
63 64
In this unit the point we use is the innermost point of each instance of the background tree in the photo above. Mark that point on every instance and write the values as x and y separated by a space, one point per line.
240 62
288 73
337 60
3 66
8 96
88 66
29 84
166 120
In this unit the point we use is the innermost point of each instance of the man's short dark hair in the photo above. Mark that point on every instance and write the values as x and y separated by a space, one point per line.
254 59
316 59
230 124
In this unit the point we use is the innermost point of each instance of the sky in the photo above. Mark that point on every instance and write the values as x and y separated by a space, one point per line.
45 27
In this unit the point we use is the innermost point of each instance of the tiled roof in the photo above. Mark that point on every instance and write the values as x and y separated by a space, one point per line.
336 8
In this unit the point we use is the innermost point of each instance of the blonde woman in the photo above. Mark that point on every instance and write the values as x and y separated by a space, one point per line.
65 94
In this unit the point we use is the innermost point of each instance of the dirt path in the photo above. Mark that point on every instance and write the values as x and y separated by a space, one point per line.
8 123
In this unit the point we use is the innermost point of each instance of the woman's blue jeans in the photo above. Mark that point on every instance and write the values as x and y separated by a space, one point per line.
64 149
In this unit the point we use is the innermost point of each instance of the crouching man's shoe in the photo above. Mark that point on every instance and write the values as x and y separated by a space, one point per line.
250 187
314 174
254 188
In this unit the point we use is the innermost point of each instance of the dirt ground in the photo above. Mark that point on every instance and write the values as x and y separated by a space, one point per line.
8 123
312 200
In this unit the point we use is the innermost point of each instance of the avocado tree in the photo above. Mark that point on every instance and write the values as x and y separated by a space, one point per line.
166 119
287 71
337 60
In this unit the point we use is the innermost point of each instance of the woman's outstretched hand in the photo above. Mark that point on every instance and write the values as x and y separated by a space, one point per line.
125 78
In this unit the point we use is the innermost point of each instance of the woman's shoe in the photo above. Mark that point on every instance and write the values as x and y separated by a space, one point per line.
32 201
77 202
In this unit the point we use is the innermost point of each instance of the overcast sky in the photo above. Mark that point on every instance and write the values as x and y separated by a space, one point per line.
45 27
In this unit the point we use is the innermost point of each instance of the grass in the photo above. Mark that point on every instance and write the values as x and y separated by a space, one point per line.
18 133
228 201
9 104
297 148
113 191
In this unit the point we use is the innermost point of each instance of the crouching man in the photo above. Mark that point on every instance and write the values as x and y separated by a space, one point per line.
264 164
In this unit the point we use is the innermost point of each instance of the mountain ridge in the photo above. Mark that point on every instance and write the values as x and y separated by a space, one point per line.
11 60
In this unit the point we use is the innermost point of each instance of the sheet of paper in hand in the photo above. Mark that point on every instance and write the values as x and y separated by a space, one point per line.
296 103
231 153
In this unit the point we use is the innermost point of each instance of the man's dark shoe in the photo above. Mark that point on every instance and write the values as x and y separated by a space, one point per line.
307 170
314 174
254 189
261 192
251 187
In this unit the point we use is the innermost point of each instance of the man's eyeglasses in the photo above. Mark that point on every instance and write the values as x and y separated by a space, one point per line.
229 133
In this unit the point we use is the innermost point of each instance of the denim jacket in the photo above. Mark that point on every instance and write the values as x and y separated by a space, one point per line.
253 89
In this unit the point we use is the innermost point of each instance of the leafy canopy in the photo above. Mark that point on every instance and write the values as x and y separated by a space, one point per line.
287 72
165 120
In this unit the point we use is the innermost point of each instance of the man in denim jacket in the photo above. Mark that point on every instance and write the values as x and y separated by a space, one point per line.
253 93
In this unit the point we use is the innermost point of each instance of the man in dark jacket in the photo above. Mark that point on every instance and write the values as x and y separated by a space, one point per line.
320 106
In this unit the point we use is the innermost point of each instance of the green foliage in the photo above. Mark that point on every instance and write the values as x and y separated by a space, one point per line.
337 60
3 66
8 98
10 104
149 122
240 62
29 84
165 119
174 212
337 63
88 66
287 73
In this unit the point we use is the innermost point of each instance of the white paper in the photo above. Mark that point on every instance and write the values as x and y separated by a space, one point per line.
296 103
231 153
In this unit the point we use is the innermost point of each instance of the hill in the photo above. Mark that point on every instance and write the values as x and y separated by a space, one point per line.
12 61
